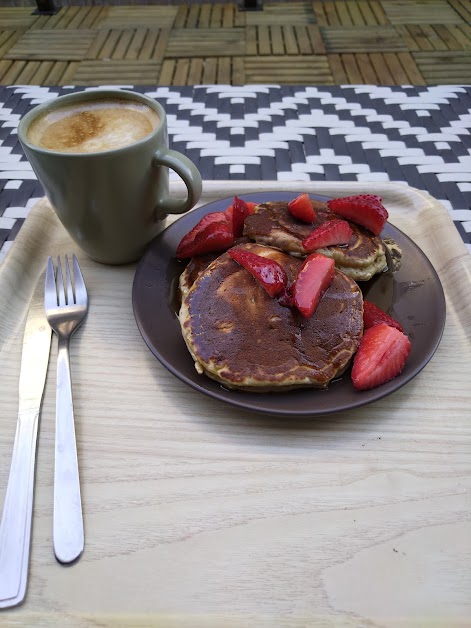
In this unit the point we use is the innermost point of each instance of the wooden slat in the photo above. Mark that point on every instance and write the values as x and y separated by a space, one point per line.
93 17
356 14
303 39
181 17
194 42
148 45
209 71
143 16
396 69
56 73
224 71
193 16
446 36
5 65
26 76
351 68
136 43
287 35
216 20
365 39
123 45
110 44
460 36
7 41
167 71
276 36
463 10
238 71
321 17
433 37
68 78
281 13
378 11
79 17
366 68
337 69
205 16
421 40
228 16
343 12
43 72
407 37
381 69
288 69
251 40
195 74
317 41
420 12
263 36
161 45
117 72
181 72
97 44
331 14
411 69
52 45
369 18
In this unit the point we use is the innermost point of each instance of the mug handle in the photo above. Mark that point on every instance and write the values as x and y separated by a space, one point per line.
187 170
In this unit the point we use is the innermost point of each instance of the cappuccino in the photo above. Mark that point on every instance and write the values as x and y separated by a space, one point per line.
93 126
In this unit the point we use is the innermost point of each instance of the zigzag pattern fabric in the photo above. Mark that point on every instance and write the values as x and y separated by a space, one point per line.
415 135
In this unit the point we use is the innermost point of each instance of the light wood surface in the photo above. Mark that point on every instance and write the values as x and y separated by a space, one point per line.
197 514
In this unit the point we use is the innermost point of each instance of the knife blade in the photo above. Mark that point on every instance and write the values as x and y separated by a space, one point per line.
15 527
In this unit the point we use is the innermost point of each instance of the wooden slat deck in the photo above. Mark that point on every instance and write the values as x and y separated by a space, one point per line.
386 42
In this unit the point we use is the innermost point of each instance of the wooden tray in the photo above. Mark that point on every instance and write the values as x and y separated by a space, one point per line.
199 514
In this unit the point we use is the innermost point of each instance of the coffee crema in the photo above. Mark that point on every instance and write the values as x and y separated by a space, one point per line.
93 126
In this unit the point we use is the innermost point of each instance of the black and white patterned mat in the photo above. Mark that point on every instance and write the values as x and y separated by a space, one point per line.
417 135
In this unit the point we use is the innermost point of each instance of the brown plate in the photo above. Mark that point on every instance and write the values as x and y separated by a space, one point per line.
413 295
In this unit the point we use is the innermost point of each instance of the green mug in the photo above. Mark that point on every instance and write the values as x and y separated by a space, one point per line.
112 202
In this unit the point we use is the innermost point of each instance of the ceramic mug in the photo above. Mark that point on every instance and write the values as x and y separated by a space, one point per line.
112 202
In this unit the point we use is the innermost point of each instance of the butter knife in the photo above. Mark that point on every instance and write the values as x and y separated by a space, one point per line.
15 528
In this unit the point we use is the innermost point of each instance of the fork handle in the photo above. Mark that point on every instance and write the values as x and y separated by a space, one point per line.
15 529
68 522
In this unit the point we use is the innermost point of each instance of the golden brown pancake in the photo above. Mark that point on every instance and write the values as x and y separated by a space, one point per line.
243 338
273 225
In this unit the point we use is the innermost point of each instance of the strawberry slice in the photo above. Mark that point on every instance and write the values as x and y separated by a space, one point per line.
269 273
373 315
327 234
381 356
190 237
215 235
240 211
302 209
250 207
366 210
314 277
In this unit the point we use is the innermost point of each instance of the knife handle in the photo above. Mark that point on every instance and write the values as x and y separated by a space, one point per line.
15 528
68 521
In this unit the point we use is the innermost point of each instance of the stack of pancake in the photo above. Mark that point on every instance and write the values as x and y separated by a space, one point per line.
240 336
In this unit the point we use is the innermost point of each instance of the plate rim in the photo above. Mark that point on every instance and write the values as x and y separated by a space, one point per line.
231 396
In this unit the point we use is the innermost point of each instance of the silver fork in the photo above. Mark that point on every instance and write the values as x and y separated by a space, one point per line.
65 311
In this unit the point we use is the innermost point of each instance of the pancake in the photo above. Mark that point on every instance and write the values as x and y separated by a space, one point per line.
273 225
241 337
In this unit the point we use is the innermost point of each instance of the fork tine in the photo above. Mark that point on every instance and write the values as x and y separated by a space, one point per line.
68 281
50 290
80 289
60 283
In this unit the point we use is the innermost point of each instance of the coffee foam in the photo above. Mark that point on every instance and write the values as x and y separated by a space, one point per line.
93 126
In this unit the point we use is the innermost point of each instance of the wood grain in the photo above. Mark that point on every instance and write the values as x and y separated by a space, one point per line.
197 514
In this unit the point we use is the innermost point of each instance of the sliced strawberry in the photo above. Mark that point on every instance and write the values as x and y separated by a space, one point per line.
381 356
269 273
302 209
366 210
248 209
240 211
314 277
214 236
373 315
189 238
327 234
